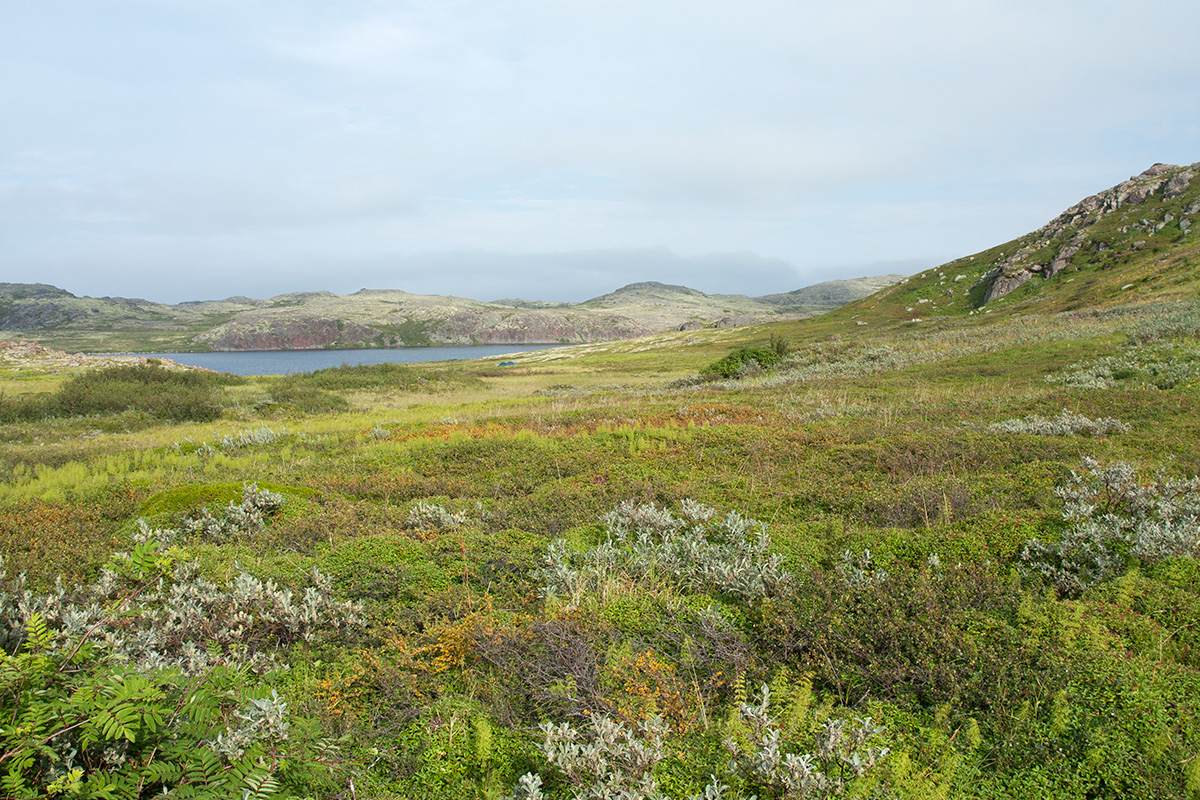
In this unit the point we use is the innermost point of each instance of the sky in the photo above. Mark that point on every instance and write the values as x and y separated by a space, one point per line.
558 149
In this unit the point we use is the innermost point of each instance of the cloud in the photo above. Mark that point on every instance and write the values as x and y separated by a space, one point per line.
281 145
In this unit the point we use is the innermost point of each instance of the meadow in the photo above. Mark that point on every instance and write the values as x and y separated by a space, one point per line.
855 555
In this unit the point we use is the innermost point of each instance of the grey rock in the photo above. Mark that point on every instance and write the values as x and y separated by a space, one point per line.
1178 184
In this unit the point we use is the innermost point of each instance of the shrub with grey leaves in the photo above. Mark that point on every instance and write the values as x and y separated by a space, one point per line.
1067 423
608 760
1112 517
698 550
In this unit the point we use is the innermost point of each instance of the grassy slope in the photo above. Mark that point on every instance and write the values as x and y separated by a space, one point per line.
872 436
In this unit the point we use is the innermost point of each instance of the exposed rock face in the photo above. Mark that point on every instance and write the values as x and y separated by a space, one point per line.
1051 249
301 333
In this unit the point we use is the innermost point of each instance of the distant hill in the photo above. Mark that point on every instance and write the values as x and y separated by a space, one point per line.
376 318
830 294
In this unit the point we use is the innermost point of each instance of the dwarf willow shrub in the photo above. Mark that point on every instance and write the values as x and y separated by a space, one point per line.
839 755
85 724
255 436
426 516
608 761
136 685
1067 423
859 570
742 360
1112 517
154 612
697 551
1154 367
247 517
1168 322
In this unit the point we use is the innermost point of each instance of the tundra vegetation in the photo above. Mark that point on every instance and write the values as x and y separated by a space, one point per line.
954 558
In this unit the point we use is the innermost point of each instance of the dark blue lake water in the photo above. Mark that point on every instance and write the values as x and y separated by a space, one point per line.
285 362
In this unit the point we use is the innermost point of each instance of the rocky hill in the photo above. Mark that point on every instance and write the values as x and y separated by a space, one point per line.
1133 243
371 318
1149 210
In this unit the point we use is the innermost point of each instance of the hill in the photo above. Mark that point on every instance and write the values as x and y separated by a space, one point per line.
368 318
1132 243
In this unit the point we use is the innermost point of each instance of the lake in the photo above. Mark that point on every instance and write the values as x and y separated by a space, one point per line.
286 362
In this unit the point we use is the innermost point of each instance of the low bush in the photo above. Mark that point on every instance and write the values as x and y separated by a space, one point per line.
247 517
1067 423
742 361
694 552
608 761
177 395
368 377
1149 367
139 684
1113 519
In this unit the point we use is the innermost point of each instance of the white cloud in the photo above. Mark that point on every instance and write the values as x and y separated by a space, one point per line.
304 141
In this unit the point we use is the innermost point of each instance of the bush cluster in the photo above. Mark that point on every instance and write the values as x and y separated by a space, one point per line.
743 361
153 611
177 395
426 516
1153 366
1168 322
247 517
138 684
608 761
318 392
839 755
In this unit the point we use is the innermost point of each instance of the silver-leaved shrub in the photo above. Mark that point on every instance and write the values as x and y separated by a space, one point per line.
1113 517
698 550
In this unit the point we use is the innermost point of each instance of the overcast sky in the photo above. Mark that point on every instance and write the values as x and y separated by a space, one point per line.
557 149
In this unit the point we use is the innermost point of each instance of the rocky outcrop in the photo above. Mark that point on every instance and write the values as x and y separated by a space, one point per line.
284 333
34 357
1051 250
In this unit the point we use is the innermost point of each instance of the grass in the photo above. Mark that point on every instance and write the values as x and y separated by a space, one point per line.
870 437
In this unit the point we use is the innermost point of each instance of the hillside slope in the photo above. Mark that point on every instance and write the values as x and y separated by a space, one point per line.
1134 243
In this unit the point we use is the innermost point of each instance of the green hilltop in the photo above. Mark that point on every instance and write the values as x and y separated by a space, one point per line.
940 542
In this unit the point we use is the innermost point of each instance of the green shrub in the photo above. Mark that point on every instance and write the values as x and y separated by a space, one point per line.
306 399
741 361
309 391
178 395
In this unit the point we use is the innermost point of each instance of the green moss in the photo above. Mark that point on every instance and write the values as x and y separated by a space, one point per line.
193 496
